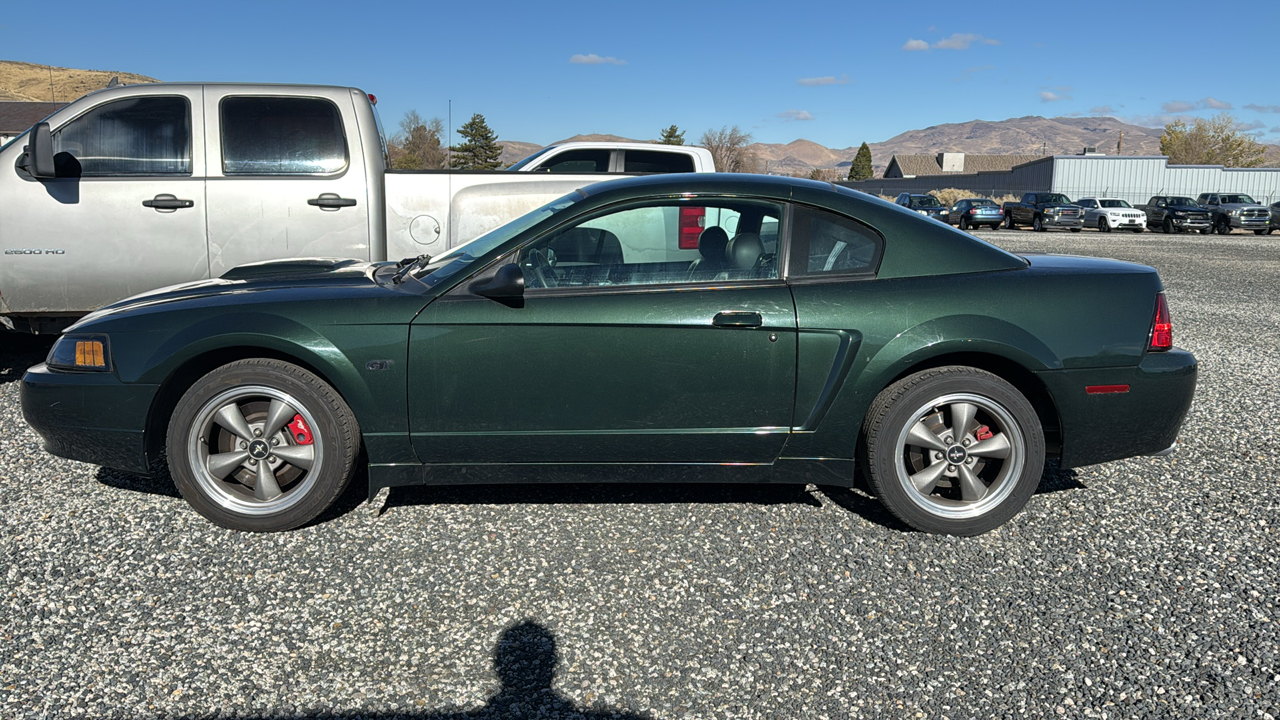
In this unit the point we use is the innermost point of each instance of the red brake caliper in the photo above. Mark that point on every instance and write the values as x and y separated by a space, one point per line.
298 428
983 433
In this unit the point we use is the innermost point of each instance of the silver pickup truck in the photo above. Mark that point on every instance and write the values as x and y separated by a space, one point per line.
133 188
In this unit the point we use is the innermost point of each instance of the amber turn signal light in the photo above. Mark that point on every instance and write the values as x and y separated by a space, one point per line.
80 352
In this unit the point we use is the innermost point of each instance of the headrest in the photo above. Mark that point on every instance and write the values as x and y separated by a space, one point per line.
712 242
744 251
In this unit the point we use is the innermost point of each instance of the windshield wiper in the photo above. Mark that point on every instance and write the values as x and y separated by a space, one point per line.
408 265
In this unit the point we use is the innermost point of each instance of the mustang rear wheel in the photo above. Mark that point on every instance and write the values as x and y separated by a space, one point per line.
261 445
952 450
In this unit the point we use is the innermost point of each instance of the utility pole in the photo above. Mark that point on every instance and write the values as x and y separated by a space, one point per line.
53 96
1120 144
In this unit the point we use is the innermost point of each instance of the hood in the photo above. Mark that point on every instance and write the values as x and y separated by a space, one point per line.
303 274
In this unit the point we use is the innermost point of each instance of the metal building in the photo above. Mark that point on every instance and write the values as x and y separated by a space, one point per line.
1130 177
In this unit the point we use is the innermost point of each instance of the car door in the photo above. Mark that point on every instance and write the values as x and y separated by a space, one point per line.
128 202
286 177
625 348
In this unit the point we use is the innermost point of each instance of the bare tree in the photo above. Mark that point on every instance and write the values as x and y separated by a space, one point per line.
417 145
1210 142
728 147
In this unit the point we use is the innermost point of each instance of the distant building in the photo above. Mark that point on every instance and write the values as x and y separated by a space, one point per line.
1129 177
17 116
901 166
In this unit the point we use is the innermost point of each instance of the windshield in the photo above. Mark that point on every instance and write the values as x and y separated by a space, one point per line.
925 201
529 160
1054 198
1236 199
1115 203
457 259
1182 201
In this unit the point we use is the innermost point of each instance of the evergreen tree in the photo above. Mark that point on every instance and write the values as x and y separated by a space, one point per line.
672 136
861 167
481 151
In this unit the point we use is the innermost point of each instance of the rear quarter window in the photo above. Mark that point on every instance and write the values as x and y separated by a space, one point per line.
282 136
648 161
826 244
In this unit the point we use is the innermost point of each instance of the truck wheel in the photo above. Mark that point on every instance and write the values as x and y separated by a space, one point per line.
1167 226
1037 224
1224 226
1261 232
1206 231
952 450
1008 221
1103 225
262 445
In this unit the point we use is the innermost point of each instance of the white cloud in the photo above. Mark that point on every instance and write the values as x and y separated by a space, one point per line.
1177 106
594 59
1246 127
1153 121
796 115
1215 104
915 45
1263 108
962 41
825 80
1102 110
1047 96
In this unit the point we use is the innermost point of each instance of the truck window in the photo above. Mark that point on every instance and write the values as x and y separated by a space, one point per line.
649 161
579 161
134 136
281 136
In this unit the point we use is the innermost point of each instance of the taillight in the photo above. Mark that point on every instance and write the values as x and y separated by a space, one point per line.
692 220
1162 326
373 99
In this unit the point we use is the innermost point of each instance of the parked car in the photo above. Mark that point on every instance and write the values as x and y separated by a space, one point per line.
1109 214
860 339
1043 210
1275 218
976 212
926 205
1176 214
200 178
1235 210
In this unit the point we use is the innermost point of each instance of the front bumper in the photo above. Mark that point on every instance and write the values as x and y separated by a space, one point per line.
1134 223
90 416
1190 223
1145 420
1251 223
1056 221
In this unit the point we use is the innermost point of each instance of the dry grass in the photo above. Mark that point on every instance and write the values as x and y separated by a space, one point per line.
27 81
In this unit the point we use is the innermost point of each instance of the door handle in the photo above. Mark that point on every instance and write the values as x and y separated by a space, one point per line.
331 201
165 201
737 318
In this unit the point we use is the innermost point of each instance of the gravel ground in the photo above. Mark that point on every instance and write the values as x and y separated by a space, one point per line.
1142 588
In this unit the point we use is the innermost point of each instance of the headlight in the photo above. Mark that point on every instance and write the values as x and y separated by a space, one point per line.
81 352
923 212
1234 213
1179 214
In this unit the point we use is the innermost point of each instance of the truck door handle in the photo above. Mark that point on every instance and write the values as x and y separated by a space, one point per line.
737 318
165 201
331 201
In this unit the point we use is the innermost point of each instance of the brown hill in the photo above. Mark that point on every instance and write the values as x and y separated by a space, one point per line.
28 81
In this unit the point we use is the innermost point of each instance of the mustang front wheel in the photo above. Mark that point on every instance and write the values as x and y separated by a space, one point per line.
261 445
953 450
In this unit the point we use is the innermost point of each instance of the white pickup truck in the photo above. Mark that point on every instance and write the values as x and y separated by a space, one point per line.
133 188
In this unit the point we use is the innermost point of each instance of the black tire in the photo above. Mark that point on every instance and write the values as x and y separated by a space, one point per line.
1167 227
964 223
930 399
1008 221
1037 224
1103 225
1223 226
995 227
1207 231
1079 229
1261 232
1270 230
269 479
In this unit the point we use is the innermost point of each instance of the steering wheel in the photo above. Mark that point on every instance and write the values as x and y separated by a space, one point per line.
541 268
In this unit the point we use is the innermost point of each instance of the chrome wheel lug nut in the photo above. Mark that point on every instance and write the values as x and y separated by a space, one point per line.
257 433
275 441
271 459
253 461
243 444
967 442
951 468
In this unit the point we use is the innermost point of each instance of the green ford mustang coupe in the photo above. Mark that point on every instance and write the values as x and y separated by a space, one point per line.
700 328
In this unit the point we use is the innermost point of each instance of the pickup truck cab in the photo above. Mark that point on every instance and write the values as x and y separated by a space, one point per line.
137 187
1044 210
1176 214
595 157
1109 214
1235 210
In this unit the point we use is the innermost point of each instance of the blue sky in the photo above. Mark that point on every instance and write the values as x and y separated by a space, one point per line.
837 73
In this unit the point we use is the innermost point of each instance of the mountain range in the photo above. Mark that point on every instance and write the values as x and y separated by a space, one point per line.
1031 135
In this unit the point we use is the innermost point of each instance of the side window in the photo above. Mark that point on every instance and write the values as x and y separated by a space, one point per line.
648 161
823 243
281 136
134 136
659 243
579 161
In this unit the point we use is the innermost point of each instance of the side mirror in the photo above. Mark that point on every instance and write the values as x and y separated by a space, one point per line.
506 286
38 158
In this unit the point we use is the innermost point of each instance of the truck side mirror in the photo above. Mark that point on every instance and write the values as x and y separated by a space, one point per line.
38 158
506 286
